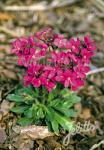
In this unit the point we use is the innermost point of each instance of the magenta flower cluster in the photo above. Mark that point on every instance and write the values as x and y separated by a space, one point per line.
50 58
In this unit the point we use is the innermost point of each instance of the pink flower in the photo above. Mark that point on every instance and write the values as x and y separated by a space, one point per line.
73 57
89 43
61 43
50 58
69 78
36 82
75 45
80 83
27 80
24 61
81 70
50 85
18 45
86 55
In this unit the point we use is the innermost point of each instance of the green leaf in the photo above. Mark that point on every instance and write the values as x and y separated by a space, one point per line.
74 98
44 90
64 91
71 100
19 86
28 94
34 110
55 102
28 90
55 110
70 113
36 92
59 105
19 109
28 113
52 95
55 126
67 104
65 122
49 114
70 96
48 123
24 121
60 108
40 113
15 98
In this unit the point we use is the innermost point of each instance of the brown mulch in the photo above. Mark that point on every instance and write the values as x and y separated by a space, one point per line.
74 20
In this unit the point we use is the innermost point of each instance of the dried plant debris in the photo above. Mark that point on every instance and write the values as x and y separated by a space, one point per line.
2 136
78 19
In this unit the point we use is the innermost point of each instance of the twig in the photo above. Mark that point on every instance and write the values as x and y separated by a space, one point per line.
95 71
41 6
8 31
11 89
97 145
8 61
99 4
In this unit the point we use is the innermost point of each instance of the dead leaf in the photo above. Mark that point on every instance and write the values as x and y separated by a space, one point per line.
6 16
1 115
41 144
26 145
58 148
8 74
2 136
78 107
5 107
86 114
52 142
